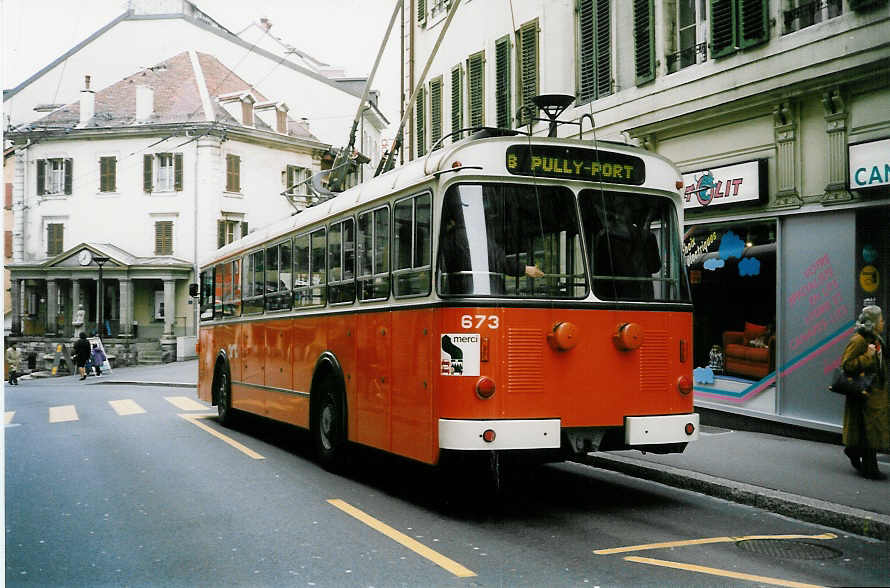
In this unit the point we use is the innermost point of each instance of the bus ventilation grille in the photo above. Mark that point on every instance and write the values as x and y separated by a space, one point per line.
654 362
525 356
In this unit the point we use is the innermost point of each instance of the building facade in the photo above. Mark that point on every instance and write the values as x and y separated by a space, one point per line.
777 112
116 198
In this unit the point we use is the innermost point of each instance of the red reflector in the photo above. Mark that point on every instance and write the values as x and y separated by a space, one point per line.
684 384
679 184
690 428
488 436
456 164
485 387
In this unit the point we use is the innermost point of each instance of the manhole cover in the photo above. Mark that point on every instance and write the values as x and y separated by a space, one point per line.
785 549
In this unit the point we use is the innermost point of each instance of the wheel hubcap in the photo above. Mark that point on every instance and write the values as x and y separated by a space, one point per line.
326 426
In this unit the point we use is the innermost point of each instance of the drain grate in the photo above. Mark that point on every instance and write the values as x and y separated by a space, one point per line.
784 549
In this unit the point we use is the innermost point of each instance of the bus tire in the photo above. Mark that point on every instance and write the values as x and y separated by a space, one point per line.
329 423
223 393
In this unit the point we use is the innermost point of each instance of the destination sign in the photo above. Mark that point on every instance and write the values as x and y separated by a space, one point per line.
575 163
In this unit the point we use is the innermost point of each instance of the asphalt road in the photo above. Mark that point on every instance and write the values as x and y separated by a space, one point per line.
117 487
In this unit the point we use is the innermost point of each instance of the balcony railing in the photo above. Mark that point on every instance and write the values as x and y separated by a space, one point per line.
686 57
806 15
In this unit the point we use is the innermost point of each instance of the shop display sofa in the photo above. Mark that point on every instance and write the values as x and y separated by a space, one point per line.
750 353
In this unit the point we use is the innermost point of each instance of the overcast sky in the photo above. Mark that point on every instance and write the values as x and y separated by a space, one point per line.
344 33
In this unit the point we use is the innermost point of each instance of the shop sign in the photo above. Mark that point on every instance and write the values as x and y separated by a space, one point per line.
731 184
870 164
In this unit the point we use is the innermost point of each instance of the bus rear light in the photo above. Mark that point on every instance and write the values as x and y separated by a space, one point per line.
684 384
563 336
485 387
690 428
628 337
488 435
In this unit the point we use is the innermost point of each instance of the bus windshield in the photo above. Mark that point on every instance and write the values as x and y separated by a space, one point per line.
510 240
633 247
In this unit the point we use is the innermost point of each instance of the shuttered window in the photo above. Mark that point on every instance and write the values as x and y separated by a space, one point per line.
644 40
738 24
476 89
233 173
502 82
421 11
527 66
54 176
54 238
163 237
435 113
421 123
594 50
457 103
162 172
107 174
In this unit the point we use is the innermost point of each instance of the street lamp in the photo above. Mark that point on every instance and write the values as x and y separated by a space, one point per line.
100 261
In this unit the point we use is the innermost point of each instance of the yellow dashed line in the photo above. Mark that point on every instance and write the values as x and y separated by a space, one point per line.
399 537
126 407
185 403
718 572
61 414
193 419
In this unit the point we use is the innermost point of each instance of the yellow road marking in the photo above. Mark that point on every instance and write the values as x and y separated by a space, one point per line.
688 542
61 414
7 417
193 419
126 407
399 537
718 572
185 403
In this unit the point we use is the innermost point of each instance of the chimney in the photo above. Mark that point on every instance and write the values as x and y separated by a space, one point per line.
145 98
87 101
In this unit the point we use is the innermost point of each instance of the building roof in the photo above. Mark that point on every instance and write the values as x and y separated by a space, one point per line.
178 84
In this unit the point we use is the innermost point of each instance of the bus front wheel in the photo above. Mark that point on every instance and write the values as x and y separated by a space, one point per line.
329 427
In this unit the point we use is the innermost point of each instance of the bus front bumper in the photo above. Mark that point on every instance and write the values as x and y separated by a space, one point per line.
660 430
499 434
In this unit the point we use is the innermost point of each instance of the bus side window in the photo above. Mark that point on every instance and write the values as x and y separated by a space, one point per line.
373 255
227 289
253 283
278 275
207 294
309 269
236 285
411 246
341 262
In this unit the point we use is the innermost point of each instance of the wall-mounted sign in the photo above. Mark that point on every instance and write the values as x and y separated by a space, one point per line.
869 279
870 164
731 184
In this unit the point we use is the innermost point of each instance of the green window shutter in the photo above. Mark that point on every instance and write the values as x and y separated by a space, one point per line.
243 228
644 40
723 30
457 104
502 82
54 234
147 161
603 49
163 237
41 177
107 174
753 23
112 174
220 233
435 112
594 50
69 175
421 11
476 89
418 113
177 172
527 56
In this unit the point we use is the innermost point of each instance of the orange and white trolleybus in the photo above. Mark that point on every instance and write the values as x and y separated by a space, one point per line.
505 293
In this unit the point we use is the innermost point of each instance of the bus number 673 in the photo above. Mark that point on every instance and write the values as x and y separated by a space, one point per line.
466 321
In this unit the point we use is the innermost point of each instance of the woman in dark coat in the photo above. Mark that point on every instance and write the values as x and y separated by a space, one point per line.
866 429
82 354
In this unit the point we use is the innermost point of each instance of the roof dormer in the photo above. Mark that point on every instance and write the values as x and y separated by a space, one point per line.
273 114
239 105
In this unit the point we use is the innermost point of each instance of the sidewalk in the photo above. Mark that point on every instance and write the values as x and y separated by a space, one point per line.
806 480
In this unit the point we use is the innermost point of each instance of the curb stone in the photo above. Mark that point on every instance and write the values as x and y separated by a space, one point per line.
839 516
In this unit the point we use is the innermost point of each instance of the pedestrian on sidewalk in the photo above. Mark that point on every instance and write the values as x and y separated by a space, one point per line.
82 354
866 429
13 361
97 357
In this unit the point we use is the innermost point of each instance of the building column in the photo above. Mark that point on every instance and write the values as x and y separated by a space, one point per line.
786 155
52 307
15 296
169 307
836 130
126 307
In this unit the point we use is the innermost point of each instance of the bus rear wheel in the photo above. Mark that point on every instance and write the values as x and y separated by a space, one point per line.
224 397
329 427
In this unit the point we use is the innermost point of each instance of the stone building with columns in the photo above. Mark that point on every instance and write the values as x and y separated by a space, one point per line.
116 197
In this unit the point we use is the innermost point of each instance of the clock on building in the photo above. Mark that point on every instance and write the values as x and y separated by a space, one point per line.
85 257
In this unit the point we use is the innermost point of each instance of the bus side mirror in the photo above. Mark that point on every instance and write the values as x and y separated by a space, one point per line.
193 290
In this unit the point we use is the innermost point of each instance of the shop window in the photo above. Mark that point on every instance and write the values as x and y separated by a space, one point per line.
732 272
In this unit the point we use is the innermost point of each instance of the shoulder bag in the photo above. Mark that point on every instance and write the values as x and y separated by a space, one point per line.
846 385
